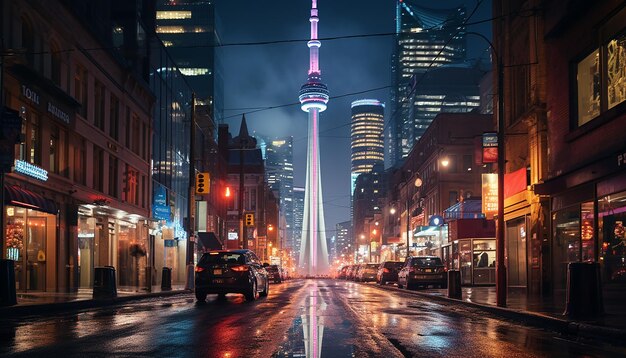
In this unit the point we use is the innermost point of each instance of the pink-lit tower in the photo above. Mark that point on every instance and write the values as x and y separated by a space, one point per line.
313 99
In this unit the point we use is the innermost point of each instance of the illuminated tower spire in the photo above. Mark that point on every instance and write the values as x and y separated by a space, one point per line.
313 99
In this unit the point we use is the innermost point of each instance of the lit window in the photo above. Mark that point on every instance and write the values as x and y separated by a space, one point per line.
170 29
168 43
173 15
191 71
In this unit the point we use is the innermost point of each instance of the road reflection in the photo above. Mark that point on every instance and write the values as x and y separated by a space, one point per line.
319 329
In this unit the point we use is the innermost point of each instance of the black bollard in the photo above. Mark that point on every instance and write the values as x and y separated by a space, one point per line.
166 279
454 284
104 285
584 291
8 296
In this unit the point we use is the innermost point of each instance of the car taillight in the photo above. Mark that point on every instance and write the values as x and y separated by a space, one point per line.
445 269
199 269
241 268
386 270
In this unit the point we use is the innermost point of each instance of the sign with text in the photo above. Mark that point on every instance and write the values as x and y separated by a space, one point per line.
490 195
490 147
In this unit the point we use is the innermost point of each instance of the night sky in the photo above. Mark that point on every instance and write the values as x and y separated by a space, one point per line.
258 76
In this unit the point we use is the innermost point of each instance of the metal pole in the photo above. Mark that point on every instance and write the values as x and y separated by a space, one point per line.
244 240
501 267
192 180
408 221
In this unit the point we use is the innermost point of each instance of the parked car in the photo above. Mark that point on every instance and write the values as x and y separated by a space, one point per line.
274 273
341 273
388 272
368 273
350 272
355 272
231 271
422 271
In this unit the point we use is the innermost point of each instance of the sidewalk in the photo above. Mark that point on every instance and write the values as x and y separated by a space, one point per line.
545 312
37 303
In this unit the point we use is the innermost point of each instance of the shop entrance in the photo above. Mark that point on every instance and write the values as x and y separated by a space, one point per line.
27 231
516 233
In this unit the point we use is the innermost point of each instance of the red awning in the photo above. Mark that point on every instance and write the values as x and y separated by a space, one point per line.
14 195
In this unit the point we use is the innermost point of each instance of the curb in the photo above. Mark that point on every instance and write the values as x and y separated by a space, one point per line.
581 329
42 309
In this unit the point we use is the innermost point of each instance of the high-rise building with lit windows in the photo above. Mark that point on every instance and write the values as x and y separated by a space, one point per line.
367 138
279 174
190 30
426 40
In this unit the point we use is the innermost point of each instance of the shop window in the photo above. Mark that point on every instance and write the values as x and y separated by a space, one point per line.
601 75
566 242
612 235
587 235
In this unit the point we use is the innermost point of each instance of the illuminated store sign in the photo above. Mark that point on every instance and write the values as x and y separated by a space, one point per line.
31 170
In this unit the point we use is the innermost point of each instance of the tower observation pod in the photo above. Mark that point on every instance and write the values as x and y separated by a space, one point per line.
313 100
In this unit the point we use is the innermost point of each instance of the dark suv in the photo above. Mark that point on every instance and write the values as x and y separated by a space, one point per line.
274 273
388 272
231 271
422 271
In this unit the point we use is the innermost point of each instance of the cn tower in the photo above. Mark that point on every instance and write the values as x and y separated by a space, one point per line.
313 98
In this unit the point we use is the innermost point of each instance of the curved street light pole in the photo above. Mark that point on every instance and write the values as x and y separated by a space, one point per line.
500 267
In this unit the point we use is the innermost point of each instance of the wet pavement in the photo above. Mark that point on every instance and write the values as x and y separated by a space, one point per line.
300 318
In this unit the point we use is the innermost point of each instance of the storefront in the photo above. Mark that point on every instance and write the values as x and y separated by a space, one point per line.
30 238
429 240
473 250
112 237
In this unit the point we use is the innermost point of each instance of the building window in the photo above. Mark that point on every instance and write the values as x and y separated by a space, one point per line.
54 149
131 192
114 117
80 89
135 141
98 115
28 42
55 64
98 168
454 198
588 82
601 75
566 242
612 235
113 177
32 149
79 162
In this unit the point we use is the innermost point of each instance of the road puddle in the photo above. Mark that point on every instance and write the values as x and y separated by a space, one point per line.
319 329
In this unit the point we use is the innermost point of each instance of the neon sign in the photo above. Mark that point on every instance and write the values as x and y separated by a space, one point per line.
30 170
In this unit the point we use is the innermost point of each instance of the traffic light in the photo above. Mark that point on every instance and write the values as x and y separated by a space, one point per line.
249 219
202 183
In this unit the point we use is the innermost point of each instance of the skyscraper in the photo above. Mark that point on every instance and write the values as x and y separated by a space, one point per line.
426 39
344 240
279 174
313 98
190 30
298 215
367 139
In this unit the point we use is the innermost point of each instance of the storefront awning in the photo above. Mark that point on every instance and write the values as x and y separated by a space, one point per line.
14 195
209 241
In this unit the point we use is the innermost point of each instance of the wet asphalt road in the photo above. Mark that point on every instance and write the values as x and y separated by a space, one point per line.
299 318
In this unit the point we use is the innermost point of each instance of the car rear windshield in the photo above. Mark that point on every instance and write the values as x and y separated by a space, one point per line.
427 261
393 264
223 258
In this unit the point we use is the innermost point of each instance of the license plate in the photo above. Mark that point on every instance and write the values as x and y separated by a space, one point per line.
428 270
217 272
218 281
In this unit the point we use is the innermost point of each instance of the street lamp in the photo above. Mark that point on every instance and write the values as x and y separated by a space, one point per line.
500 267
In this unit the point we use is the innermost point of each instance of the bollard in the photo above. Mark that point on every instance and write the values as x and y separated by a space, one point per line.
454 284
8 296
191 275
104 282
584 291
166 279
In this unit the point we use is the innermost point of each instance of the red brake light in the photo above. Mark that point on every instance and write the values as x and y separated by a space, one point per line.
199 269
385 270
241 268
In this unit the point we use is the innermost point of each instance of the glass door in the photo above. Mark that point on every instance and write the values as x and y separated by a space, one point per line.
516 251
35 259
